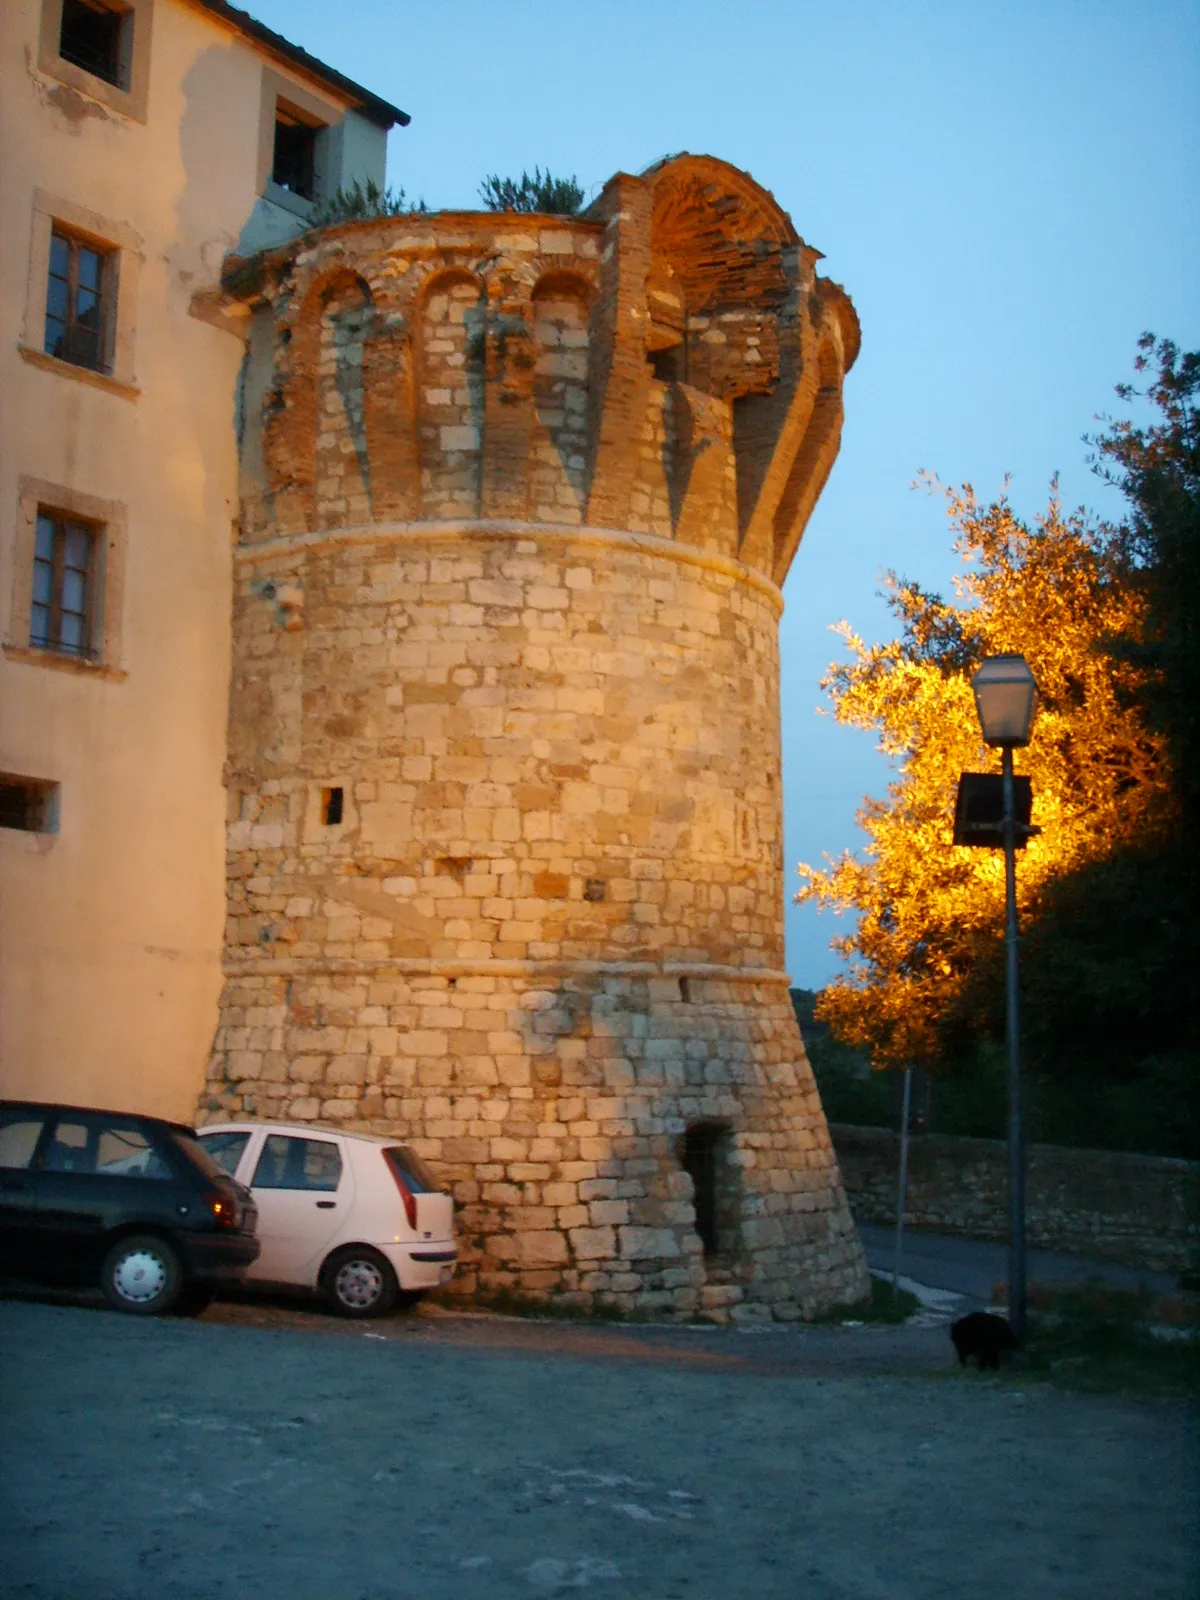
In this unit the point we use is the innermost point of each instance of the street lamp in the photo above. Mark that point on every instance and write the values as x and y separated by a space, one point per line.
1005 695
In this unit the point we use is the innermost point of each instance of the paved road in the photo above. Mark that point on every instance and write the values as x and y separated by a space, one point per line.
970 1267
443 1458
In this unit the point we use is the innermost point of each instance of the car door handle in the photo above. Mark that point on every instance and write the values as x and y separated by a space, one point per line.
326 1205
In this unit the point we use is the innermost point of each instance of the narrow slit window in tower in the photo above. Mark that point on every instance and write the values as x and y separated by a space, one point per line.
331 806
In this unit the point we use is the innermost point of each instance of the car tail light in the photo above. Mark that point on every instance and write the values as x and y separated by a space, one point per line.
226 1208
405 1184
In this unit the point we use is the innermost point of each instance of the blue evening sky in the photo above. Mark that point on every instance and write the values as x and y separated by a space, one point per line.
1007 189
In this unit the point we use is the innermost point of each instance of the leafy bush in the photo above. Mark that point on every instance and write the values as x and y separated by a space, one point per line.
850 1091
1153 1109
360 202
1096 1342
542 192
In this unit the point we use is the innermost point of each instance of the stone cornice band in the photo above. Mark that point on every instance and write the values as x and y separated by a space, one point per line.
431 967
492 528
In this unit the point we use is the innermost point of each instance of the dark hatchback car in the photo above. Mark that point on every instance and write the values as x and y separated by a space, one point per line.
132 1203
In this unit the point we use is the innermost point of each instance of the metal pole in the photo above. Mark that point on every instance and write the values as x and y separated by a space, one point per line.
1016 1130
903 1184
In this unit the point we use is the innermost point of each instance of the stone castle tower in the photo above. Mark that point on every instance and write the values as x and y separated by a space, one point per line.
505 865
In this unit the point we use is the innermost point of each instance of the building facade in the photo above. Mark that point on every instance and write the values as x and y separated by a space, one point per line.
505 854
140 142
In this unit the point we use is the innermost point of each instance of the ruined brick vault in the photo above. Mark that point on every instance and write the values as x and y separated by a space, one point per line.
505 866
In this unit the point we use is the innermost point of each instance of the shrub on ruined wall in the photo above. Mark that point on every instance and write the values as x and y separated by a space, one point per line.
541 193
360 202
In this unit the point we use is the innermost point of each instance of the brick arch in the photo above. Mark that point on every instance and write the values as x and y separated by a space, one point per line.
562 302
290 410
342 458
437 277
449 333
722 234
557 282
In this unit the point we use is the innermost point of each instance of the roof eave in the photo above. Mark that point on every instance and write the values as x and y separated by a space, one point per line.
379 111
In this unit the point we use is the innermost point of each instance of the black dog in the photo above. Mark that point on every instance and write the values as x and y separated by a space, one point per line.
983 1336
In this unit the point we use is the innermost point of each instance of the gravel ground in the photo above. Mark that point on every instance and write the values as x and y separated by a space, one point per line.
270 1451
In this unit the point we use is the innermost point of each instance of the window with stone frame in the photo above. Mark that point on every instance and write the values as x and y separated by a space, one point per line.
98 38
61 615
80 288
99 48
294 167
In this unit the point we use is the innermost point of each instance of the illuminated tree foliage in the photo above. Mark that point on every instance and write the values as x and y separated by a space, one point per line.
928 912
1107 618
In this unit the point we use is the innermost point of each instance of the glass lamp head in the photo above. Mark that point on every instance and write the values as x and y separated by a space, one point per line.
1005 694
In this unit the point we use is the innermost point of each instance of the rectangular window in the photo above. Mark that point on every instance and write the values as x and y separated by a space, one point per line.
28 805
64 559
100 48
19 1134
78 299
107 1149
97 38
288 1163
68 590
295 162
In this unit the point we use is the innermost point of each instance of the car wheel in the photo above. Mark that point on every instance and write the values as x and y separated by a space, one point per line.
142 1274
359 1282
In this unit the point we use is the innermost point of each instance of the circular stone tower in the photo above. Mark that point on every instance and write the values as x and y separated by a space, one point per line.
505 855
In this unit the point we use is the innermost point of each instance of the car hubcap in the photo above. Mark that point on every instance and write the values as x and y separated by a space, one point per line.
358 1284
140 1277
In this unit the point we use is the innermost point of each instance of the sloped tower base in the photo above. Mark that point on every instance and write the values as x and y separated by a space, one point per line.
568 1140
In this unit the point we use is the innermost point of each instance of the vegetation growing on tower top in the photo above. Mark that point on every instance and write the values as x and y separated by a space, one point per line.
360 202
542 192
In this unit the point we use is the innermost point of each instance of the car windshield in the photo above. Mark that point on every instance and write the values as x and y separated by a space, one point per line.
194 1149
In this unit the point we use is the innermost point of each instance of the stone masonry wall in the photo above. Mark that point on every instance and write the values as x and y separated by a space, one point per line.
1143 1211
505 854
556 1110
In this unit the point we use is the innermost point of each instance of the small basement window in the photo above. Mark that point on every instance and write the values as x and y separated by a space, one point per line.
97 38
295 162
28 805
331 806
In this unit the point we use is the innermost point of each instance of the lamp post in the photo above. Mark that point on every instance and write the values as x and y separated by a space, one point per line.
1005 693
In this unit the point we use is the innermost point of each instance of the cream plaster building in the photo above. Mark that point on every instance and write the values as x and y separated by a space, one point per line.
140 142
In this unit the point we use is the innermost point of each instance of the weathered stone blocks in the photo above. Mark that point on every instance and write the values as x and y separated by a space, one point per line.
505 870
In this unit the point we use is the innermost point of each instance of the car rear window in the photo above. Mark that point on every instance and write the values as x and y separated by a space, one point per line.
421 1179
93 1145
19 1134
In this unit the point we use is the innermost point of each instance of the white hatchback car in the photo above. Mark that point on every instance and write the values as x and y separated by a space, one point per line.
360 1219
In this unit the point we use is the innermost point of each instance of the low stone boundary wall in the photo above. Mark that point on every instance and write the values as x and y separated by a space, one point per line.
1142 1211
